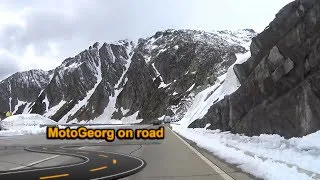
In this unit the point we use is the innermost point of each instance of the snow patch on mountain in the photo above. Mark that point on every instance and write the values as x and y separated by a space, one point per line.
27 109
72 67
84 101
225 85
20 103
191 87
124 111
50 112
241 37
129 51
106 116
46 101
132 119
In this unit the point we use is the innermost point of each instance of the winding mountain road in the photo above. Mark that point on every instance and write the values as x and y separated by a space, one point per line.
95 165
35 157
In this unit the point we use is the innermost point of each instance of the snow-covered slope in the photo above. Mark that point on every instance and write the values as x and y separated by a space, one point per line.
225 85
172 64
243 36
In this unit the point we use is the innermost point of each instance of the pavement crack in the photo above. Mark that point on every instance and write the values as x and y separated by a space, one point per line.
13 163
44 160
135 150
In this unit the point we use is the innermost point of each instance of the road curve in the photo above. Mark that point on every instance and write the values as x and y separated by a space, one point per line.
95 165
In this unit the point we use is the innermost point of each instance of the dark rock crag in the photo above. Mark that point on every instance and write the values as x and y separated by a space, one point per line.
22 88
280 83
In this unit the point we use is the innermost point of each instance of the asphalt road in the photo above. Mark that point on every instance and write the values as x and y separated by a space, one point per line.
171 158
95 165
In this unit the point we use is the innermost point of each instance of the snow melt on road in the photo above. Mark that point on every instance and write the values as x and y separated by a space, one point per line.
24 124
269 157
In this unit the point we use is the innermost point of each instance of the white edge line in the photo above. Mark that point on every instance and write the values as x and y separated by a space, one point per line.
35 162
213 166
49 158
87 160
47 168
40 161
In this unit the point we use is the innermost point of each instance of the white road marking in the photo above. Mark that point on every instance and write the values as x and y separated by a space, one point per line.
40 161
35 162
87 160
47 168
213 166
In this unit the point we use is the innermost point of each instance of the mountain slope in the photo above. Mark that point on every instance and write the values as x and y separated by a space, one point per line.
168 66
81 86
21 89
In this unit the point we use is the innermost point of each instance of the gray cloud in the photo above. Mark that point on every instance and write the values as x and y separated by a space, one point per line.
75 24
8 65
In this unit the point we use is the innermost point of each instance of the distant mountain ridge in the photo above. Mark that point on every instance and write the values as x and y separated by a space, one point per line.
127 82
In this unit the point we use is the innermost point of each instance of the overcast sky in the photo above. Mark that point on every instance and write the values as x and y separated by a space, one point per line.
40 34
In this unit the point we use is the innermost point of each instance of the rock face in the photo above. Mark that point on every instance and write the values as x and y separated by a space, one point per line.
21 89
280 83
169 65
123 81
81 86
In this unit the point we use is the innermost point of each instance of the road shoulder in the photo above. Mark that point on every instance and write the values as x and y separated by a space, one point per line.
230 169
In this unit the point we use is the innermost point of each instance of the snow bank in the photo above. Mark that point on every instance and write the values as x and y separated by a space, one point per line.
264 156
131 119
23 120
28 130
311 141
225 85
24 124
